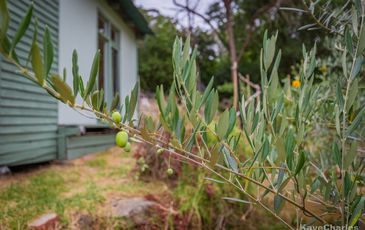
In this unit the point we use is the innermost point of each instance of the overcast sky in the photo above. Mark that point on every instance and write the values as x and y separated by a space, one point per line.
166 7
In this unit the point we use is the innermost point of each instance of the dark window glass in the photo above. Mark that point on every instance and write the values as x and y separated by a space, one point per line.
108 44
114 34
101 25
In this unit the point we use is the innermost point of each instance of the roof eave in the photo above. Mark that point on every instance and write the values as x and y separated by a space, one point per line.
130 14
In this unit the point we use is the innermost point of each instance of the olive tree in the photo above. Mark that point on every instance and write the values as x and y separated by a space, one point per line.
323 182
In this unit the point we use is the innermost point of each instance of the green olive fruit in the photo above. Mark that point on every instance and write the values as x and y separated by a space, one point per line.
127 147
121 139
117 118
169 171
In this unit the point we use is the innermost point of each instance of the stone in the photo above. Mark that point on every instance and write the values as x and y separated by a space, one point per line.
131 206
135 208
45 222
85 221
4 170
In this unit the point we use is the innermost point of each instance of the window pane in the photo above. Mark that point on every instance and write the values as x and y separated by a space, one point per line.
115 70
101 25
114 34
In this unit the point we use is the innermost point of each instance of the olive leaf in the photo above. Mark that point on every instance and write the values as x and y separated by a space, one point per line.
356 122
207 92
75 74
37 64
211 106
24 24
4 21
265 149
222 125
301 162
63 89
115 102
133 101
93 74
47 51
357 212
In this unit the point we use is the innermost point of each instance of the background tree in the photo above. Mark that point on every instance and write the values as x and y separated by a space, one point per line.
224 11
154 67
250 19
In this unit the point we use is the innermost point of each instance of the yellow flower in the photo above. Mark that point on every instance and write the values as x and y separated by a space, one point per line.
295 83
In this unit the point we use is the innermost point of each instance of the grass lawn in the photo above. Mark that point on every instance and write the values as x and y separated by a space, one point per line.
82 190
79 187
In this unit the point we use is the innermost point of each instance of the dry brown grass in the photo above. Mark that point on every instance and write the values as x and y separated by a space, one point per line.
81 187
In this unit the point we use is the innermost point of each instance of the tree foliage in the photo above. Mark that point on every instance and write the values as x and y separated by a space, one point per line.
154 67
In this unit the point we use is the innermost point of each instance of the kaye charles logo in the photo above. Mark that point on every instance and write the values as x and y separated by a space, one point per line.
328 227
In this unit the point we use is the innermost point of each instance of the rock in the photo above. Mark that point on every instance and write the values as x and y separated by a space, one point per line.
4 170
45 222
85 221
135 208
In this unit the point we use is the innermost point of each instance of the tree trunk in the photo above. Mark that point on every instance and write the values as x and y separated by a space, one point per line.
232 51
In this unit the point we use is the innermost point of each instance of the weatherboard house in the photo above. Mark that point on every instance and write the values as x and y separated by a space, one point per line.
34 127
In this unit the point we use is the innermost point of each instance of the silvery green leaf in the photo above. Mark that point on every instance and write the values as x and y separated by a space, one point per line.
211 106
337 120
356 122
344 63
352 94
64 74
115 102
75 73
230 161
236 200
357 66
361 45
222 125
81 87
133 101
265 150
278 203
292 9
47 52
4 19
186 50
337 153
37 64
355 23
301 162
93 74
348 41
289 148
22 27
215 180
63 89
232 120
339 95
350 155
356 213
207 91
307 26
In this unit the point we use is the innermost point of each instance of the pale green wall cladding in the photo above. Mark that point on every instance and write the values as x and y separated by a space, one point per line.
29 131
28 116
